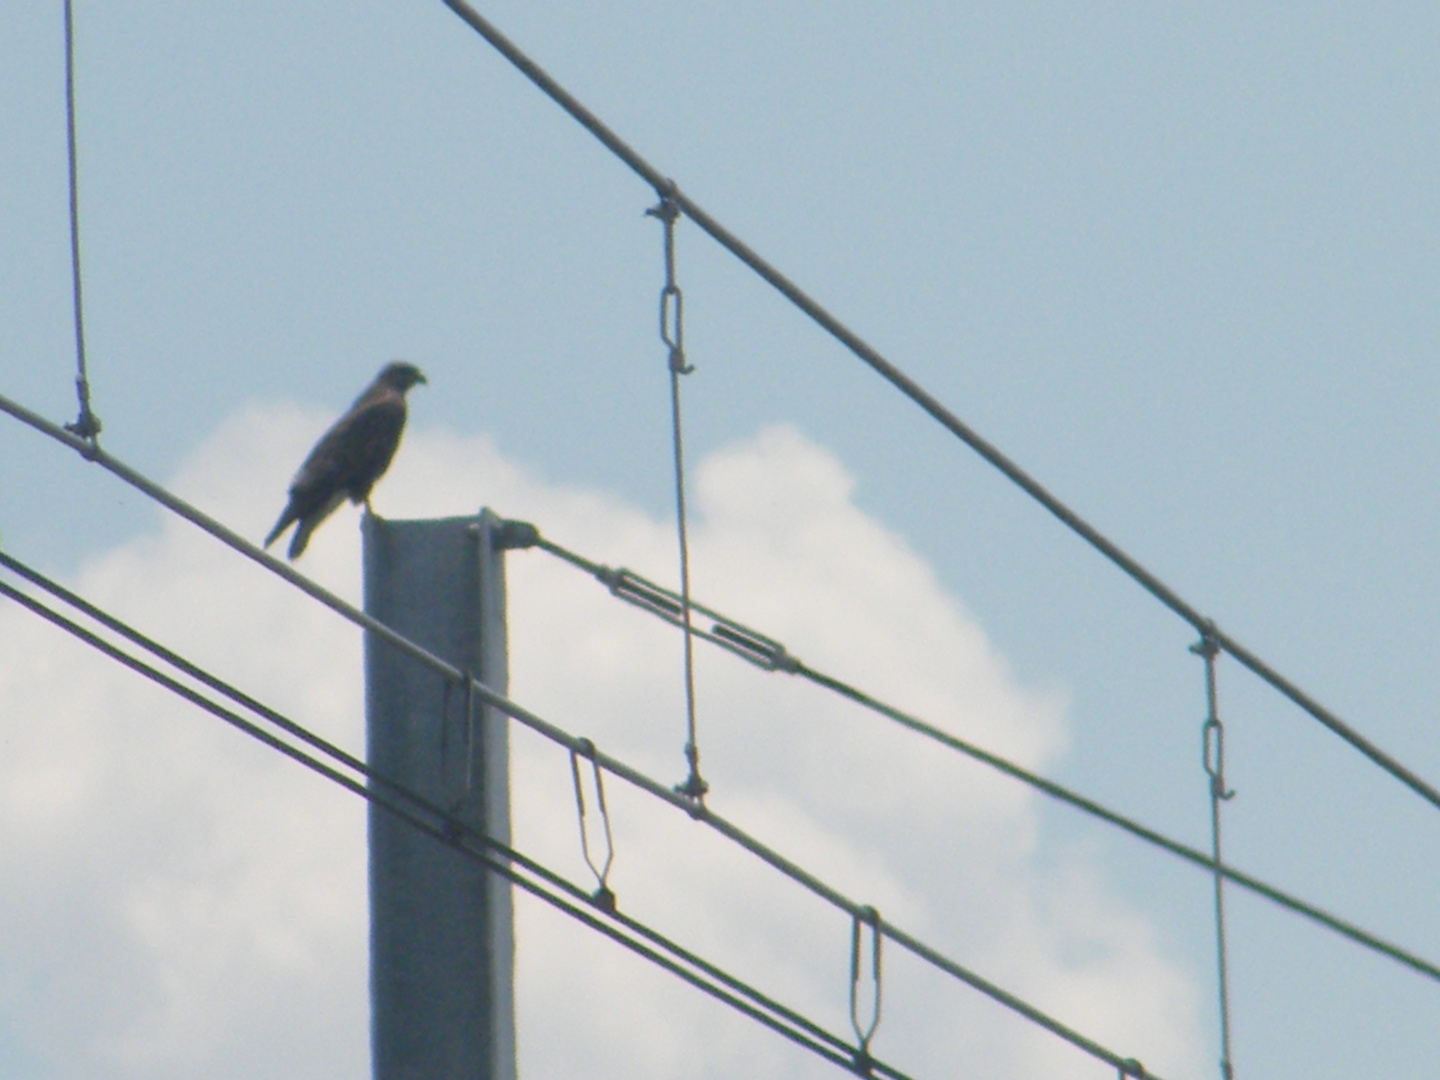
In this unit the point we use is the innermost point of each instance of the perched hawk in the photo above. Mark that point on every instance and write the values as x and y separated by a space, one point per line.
350 457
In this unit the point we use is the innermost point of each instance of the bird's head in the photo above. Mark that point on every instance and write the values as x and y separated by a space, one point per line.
400 375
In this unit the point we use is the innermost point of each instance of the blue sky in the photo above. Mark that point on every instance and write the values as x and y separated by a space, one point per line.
1179 263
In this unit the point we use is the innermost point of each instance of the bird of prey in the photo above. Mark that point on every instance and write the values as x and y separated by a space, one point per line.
350 457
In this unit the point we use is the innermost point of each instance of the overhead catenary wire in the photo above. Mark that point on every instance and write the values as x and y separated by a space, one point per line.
696 810
87 427
932 405
692 210
522 534
228 537
451 824
450 830
525 535
770 655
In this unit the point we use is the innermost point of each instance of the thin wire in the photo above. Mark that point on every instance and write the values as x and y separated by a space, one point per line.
672 333
771 655
495 855
509 708
1213 759
521 534
451 826
87 424
231 539
918 394
696 810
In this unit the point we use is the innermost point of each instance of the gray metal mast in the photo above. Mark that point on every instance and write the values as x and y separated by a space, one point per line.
442 943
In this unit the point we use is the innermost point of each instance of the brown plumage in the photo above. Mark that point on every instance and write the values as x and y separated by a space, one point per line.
350 457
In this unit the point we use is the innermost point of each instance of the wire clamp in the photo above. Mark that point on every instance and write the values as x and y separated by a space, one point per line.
1212 732
1209 644
672 300
87 425
863 1062
512 535
603 896
694 788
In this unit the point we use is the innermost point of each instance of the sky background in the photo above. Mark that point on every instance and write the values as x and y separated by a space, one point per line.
1178 263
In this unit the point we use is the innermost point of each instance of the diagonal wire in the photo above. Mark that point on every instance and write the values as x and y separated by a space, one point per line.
696 810
522 534
87 425
230 538
932 405
753 646
446 828
770 655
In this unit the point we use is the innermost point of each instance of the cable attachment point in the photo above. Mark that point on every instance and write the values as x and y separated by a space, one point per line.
864 1032
1131 1067
1212 732
87 425
672 300
1209 644
512 535
694 788
603 896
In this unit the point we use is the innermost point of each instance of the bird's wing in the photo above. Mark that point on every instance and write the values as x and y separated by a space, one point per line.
351 456
310 523
347 461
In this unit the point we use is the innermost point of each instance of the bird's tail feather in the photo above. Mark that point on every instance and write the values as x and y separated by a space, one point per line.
280 526
310 521
301 538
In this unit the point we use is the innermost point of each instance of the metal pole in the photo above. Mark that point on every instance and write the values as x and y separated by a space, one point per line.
441 928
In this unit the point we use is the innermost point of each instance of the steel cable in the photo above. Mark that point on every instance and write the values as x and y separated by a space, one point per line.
522 534
770 655
696 810
448 829
932 405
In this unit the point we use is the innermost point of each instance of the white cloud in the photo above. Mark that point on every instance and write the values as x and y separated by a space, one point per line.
177 901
